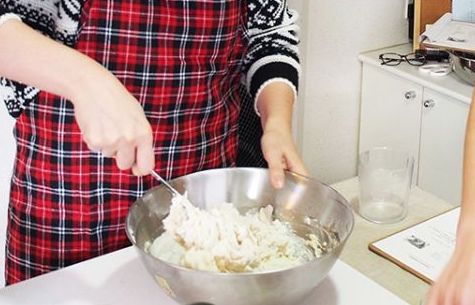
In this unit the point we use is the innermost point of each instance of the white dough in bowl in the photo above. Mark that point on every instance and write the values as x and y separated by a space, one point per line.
221 239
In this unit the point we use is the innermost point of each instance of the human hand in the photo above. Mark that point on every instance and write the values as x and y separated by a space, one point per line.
281 154
275 106
455 286
113 122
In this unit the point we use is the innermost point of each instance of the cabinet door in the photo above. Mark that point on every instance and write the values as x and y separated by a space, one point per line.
390 112
442 140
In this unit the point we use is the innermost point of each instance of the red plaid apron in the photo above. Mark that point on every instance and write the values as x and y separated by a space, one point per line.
182 61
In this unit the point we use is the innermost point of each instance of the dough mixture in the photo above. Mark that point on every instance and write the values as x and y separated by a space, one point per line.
221 239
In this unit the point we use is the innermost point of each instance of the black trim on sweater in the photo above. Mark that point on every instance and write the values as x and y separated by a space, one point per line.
273 70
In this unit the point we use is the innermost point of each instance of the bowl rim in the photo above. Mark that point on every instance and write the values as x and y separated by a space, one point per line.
463 55
343 202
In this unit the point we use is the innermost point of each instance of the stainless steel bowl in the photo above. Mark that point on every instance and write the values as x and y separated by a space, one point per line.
307 204
463 65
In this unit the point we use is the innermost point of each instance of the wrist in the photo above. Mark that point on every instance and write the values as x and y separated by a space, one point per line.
277 124
275 106
84 75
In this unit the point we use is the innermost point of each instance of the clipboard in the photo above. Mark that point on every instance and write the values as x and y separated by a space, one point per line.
422 249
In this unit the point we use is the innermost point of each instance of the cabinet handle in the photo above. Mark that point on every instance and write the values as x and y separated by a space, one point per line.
429 104
409 95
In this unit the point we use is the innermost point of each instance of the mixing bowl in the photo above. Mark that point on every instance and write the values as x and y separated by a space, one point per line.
308 205
463 64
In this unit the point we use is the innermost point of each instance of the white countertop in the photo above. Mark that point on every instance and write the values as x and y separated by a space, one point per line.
120 279
422 206
449 85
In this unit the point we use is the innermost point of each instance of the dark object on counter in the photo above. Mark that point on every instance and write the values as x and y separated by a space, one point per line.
463 64
433 54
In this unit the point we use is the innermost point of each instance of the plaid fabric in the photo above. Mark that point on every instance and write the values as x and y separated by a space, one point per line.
271 31
182 60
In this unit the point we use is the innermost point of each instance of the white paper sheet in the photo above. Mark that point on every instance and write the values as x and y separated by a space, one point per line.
424 248
446 33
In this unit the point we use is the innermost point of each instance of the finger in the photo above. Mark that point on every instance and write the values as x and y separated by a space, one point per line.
467 298
276 165
451 295
135 171
432 297
145 158
93 146
94 149
97 142
109 152
125 157
295 163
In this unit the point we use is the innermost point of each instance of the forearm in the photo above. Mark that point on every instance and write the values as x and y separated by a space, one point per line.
275 105
467 219
39 61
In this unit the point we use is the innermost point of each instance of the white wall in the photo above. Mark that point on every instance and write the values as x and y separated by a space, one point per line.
7 153
301 6
336 31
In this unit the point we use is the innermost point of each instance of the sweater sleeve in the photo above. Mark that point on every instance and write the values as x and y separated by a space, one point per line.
14 94
272 53
59 20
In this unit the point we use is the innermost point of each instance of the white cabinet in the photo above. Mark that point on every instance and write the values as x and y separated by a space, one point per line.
441 149
402 109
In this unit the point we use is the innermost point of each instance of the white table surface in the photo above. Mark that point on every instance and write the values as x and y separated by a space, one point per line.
119 278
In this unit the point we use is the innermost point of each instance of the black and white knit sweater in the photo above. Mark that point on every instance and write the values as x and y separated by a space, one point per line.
271 29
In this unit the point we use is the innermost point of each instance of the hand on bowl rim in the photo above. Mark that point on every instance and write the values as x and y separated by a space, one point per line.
281 154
